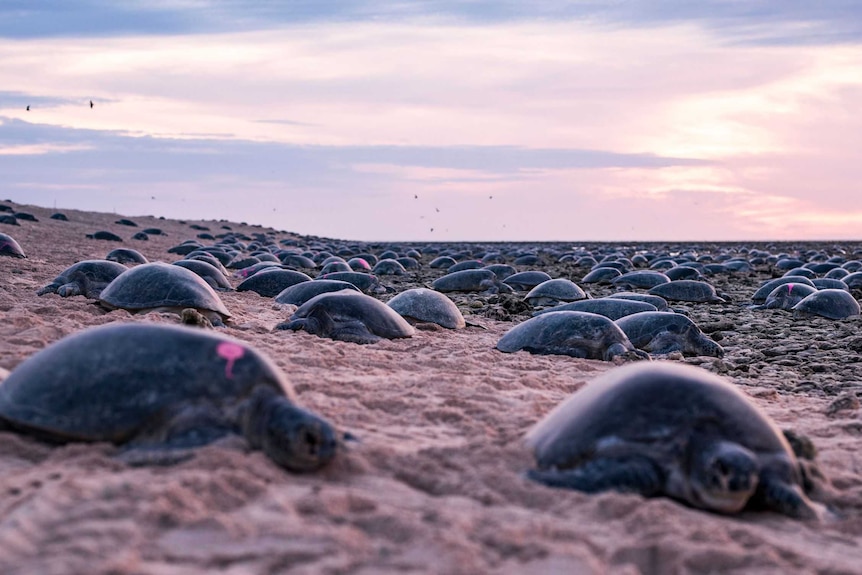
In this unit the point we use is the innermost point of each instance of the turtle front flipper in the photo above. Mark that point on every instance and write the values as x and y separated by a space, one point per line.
625 474
171 437
788 499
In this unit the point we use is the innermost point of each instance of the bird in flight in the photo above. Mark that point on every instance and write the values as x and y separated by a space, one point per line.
432 229
91 103
415 197
438 210
28 108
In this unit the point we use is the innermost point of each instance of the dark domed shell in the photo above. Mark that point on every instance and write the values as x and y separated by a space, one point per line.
427 305
273 281
301 292
829 303
9 247
157 285
88 278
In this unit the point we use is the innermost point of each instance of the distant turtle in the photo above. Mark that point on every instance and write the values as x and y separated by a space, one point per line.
160 390
207 272
785 296
126 256
301 292
367 283
660 332
554 291
442 262
643 279
853 280
359 264
687 291
141 236
125 222
26 217
601 275
9 247
298 261
59 216
526 280
272 281
828 303
349 316
465 265
154 232
238 263
662 428
803 272
87 278
611 308
659 302
251 270
162 287
574 333
388 267
470 281
425 305
502 270
764 290
409 263
185 248
9 219
830 283
335 266
104 235
682 273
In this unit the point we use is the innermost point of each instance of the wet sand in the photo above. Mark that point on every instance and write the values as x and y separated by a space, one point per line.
435 484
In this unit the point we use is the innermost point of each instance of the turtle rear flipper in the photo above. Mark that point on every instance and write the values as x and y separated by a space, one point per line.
625 474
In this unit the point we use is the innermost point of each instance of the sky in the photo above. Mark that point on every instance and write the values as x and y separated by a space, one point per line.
638 120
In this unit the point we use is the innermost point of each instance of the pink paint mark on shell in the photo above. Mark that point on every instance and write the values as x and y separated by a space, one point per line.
230 352
789 288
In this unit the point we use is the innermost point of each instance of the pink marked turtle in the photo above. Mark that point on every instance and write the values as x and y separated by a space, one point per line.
159 391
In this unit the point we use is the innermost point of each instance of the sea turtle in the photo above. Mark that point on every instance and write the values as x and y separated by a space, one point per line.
349 316
59 216
425 305
389 267
683 273
660 332
501 270
301 292
26 217
659 302
767 287
853 280
154 232
829 283
335 266
687 291
126 256
442 262
141 236
297 261
611 308
163 287
105 235
552 292
208 272
272 281
465 265
87 278
643 279
803 272
829 303
601 275
160 390
359 264
9 247
662 428
9 219
786 296
366 282
185 248
409 263
470 281
575 333
251 270
125 222
526 280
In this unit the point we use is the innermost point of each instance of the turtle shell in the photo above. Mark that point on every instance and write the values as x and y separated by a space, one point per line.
9 247
105 383
91 277
156 285
829 303
427 305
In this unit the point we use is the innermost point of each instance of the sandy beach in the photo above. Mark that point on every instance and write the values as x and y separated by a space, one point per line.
436 482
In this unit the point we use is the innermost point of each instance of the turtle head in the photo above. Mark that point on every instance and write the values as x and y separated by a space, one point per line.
724 476
292 437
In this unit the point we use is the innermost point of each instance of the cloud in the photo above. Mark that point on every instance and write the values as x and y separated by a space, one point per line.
750 22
